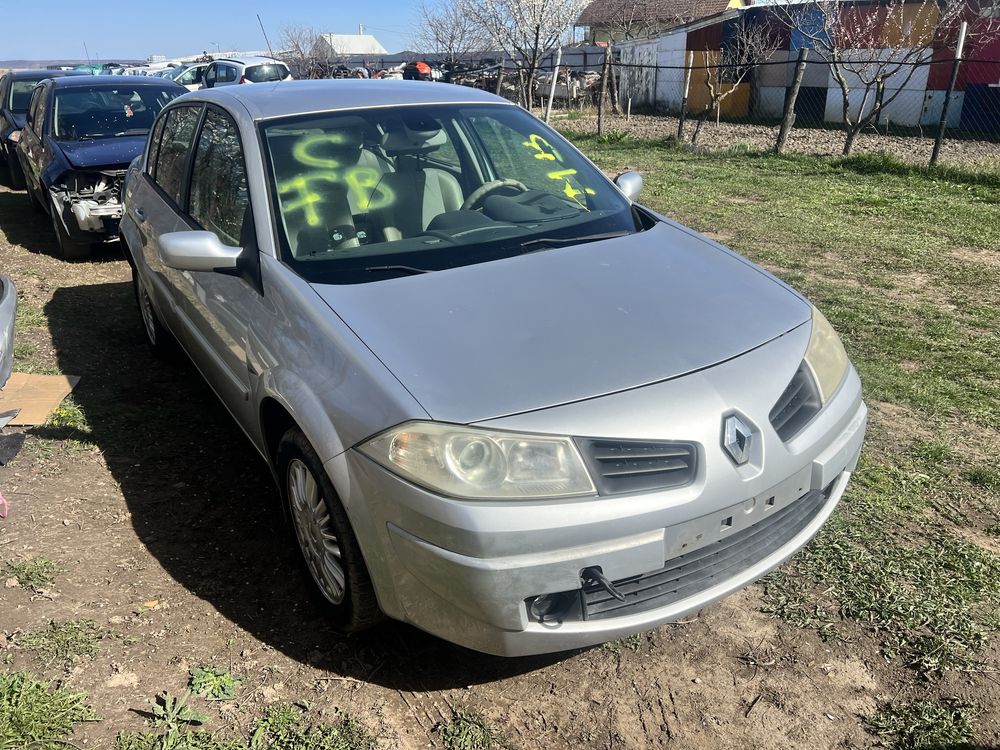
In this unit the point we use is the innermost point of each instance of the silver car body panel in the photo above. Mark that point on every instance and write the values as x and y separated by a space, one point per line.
8 314
538 330
723 337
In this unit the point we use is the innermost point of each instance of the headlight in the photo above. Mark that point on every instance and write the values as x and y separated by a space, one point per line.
15 136
467 462
825 356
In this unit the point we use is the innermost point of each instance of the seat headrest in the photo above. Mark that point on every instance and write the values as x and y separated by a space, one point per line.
413 135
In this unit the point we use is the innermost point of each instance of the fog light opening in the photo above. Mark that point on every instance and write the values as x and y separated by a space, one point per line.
551 608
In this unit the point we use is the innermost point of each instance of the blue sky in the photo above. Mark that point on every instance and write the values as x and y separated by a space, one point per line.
138 28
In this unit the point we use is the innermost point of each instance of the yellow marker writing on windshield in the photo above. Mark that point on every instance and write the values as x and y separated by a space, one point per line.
539 144
305 148
304 197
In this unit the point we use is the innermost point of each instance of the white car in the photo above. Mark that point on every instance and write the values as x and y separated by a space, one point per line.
228 71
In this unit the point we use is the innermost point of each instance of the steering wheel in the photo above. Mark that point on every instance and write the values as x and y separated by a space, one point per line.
485 189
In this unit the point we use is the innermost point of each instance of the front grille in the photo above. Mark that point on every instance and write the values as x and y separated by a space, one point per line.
620 466
797 406
691 573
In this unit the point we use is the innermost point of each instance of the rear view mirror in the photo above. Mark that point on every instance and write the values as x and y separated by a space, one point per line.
197 251
630 183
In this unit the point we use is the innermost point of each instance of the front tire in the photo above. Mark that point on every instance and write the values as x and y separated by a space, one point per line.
327 545
69 248
14 174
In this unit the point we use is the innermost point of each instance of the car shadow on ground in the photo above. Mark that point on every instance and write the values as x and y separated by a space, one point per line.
203 503
31 228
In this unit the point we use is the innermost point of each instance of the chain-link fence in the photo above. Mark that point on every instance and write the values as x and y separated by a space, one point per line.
792 102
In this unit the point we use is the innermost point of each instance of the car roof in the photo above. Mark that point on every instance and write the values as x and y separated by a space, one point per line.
40 74
85 80
253 60
286 98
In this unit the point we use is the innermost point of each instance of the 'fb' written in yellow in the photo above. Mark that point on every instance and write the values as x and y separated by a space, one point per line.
304 190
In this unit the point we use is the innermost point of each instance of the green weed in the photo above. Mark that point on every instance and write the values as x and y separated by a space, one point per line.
924 725
62 644
35 574
37 715
213 684
469 731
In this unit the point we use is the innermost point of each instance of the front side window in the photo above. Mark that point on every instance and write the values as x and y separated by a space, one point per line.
89 113
373 193
171 158
219 197
32 117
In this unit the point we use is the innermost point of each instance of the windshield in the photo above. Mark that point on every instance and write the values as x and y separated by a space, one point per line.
369 194
264 73
20 94
107 111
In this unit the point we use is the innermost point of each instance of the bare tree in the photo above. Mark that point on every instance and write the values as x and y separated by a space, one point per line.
299 43
447 29
750 45
526 30
873 51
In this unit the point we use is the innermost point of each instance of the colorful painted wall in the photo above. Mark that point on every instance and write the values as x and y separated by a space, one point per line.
918 92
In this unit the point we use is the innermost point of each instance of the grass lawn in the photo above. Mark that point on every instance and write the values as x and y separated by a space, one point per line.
905 262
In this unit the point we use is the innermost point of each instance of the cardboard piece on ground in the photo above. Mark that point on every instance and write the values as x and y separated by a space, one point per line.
35 395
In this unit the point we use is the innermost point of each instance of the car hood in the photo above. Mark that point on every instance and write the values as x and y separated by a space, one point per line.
19 118
111 153
544 329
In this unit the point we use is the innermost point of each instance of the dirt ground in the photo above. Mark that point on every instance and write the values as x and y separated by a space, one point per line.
164 522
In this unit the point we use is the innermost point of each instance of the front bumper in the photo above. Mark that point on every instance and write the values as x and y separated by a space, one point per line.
465 570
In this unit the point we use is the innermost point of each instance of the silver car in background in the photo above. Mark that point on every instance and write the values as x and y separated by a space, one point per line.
8 314
503 401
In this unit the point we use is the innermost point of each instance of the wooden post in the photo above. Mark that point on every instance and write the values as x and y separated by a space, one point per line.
604 91
684 95
943 125
788 121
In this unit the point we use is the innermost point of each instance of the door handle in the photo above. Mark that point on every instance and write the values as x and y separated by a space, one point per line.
139 213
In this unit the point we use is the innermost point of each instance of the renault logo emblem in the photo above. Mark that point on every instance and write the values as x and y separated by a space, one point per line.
737 439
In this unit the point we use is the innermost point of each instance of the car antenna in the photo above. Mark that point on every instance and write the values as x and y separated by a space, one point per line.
269 50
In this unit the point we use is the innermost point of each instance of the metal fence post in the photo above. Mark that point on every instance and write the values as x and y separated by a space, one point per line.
684 96
552 88
788 121
943 125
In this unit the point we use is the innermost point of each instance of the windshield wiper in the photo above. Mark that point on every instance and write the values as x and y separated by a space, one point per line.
407 269
559 241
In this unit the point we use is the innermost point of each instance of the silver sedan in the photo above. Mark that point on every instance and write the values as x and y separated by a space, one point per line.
503 401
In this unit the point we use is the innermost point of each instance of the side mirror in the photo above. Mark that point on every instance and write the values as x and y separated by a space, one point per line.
630 183
197 251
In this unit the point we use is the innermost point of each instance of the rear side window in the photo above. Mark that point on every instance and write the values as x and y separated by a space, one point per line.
219 196
173 149
20 94
264 73
227 74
